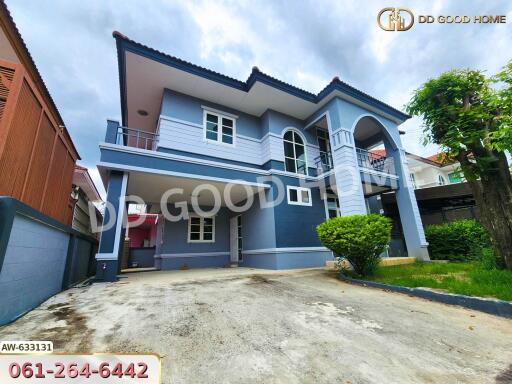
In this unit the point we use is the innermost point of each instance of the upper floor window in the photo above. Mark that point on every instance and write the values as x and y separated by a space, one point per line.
441 180
294 153
219 128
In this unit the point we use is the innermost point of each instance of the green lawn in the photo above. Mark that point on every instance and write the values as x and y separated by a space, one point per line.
463 278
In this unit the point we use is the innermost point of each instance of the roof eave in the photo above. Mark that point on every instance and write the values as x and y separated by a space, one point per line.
125 44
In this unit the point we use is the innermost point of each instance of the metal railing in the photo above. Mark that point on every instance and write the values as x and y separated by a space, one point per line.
136 138
323 163
373 161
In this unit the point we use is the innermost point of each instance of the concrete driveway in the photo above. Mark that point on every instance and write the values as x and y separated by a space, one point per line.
254 326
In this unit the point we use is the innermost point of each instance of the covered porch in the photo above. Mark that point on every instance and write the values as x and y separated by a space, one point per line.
188 222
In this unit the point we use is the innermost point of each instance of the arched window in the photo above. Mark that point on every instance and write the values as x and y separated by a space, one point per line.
294 153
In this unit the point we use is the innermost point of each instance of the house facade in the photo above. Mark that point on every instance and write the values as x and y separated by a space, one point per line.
426 172
242 172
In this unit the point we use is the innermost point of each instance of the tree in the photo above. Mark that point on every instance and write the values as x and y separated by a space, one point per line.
470 116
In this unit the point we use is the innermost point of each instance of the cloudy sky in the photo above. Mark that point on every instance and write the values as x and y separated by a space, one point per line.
305 43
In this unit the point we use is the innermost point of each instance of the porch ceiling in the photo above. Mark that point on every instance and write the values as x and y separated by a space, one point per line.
151 187
366 128
372 189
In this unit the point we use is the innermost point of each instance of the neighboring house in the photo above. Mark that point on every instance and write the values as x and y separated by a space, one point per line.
37 156
432 171
85 193
40 254
441 191
184 126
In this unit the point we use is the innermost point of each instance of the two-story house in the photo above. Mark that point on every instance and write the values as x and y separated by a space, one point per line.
242 172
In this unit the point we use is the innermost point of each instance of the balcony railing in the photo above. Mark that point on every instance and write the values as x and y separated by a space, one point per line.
136 138
365 159
323 163
373 161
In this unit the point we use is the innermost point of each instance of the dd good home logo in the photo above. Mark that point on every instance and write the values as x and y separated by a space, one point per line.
402 19
395 19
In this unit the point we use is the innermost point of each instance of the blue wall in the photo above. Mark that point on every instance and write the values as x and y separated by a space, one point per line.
296 224
258 226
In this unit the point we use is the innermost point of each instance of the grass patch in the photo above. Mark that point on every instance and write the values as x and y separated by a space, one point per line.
462 278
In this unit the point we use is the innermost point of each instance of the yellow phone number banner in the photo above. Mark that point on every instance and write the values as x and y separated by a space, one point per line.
80 368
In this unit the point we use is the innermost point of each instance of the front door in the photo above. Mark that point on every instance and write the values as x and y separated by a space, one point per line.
235 238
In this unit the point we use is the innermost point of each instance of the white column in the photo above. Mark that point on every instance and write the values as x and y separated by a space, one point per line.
346 171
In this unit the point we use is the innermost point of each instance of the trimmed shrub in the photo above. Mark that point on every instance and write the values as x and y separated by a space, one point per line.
462 240
359 238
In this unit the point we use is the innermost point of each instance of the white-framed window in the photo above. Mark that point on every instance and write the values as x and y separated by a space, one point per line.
299 195
294 153
201 229
219 128
441 180
332 204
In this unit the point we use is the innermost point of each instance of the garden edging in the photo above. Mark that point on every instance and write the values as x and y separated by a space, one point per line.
492 306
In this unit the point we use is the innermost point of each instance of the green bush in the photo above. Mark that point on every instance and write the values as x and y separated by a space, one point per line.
487 260
359 238
461 240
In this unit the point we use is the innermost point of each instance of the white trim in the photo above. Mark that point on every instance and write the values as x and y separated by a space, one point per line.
285 250
318 118
106 256
219 112
169 156
120 214
186 159
220 128
201 229
155 171
299 195
197 254
378 173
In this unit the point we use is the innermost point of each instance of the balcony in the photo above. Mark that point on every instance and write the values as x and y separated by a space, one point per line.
136 138
366 160
323 163
374 162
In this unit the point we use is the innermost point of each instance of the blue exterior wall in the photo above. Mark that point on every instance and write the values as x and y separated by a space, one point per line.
188 108
195 262
296 224
295 260
259 226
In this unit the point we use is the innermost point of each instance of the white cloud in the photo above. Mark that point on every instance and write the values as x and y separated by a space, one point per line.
302 43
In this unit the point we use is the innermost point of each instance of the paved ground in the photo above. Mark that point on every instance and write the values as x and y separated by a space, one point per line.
249 326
